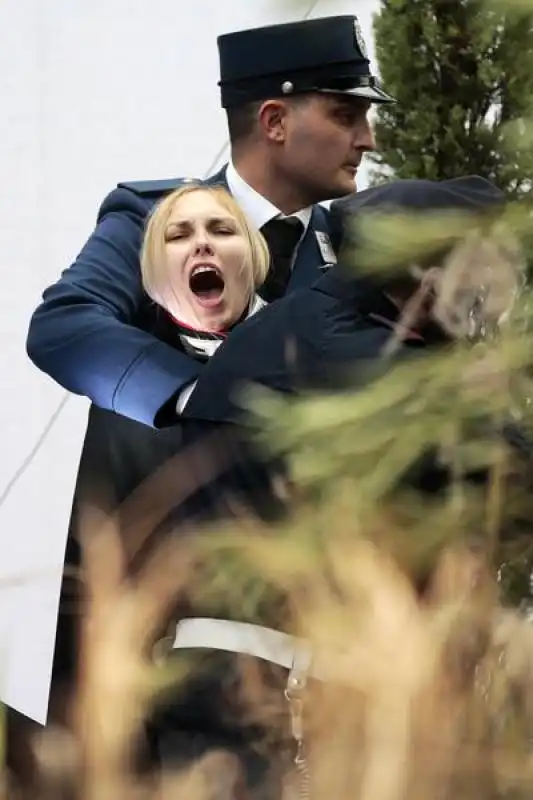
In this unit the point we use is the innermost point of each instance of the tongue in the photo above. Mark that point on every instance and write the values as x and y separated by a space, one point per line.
209 297
208 294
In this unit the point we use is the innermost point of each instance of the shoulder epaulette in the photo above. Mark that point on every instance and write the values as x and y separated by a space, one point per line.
157 188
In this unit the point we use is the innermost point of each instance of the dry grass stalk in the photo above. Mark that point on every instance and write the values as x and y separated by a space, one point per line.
422 695
429 696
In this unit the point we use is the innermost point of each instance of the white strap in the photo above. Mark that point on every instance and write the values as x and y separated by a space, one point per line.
242 637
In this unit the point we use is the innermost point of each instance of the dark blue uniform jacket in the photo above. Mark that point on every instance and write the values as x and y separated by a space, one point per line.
95 333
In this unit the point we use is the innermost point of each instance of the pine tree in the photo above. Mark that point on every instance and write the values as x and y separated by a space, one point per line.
462 74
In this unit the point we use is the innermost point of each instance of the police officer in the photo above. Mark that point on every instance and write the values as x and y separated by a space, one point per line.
339 323
343 319
296 97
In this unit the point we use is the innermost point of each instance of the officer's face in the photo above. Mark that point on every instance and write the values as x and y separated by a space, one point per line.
207 255
324 138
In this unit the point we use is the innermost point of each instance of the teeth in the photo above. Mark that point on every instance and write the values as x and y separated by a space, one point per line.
200 269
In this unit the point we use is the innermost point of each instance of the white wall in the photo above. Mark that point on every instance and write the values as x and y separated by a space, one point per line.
92 92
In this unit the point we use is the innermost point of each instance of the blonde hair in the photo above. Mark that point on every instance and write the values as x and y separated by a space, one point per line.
157 281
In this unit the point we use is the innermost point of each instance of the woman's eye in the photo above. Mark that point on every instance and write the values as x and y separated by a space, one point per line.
225 231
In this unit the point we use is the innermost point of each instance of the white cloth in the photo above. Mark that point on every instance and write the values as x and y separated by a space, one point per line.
328 662
246 639
184 397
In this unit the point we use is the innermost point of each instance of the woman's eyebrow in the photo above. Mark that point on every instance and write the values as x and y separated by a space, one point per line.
224 220
216 220
175 224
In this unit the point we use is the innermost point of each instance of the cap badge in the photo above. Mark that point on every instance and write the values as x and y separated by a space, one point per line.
287 87
359 38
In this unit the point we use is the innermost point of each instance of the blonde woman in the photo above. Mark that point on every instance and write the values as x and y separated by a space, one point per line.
202 263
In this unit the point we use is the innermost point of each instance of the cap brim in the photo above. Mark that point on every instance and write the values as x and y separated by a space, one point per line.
371 93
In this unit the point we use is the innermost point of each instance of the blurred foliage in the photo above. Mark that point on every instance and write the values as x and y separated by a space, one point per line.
368 445
462 74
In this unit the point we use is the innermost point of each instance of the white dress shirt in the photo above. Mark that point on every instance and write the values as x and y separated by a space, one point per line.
257 208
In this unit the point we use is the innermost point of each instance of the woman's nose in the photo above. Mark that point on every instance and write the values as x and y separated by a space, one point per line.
202 244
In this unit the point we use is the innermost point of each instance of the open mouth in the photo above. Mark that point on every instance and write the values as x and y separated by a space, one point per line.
207 284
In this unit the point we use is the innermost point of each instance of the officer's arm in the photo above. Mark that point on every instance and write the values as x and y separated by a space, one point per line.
83 334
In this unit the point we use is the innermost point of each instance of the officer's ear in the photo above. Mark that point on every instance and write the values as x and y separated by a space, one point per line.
272 117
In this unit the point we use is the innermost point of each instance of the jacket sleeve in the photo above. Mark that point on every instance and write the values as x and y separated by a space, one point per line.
83 334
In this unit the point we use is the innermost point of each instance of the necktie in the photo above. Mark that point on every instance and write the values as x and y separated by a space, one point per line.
282 237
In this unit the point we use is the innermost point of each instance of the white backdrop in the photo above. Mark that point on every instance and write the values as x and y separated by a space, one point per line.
92 93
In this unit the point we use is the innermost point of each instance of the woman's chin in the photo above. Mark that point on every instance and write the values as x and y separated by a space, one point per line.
209 312
209 303
217 321
220 318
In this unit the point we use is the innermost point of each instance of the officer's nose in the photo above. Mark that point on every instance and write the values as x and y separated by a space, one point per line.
364 139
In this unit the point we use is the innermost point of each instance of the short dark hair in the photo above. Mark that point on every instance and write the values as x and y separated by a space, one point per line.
242 119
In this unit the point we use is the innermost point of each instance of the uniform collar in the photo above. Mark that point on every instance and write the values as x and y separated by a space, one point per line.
257 208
